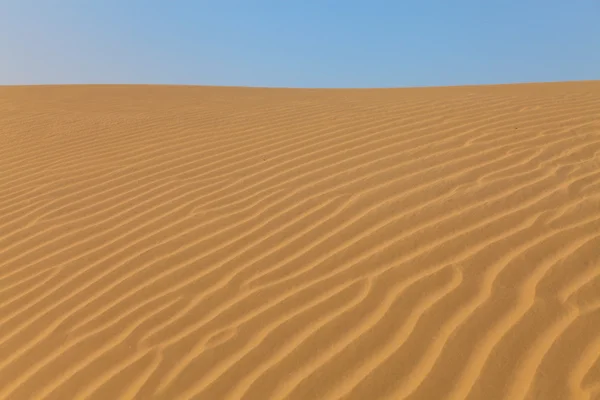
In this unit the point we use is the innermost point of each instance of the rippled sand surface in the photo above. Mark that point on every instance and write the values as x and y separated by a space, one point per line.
216 243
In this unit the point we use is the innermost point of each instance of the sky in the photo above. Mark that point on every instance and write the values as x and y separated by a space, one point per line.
298 43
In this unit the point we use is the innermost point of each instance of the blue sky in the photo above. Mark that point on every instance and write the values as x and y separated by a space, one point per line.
309 43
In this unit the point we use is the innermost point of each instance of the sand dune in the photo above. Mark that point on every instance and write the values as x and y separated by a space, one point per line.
215 243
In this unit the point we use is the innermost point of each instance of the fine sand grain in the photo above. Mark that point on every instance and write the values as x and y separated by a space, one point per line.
212 243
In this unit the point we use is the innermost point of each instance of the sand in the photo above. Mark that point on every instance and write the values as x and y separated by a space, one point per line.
164 242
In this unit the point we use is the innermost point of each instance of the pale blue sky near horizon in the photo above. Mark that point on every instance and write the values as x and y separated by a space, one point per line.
298 43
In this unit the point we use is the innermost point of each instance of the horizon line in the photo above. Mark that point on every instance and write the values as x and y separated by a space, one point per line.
306 88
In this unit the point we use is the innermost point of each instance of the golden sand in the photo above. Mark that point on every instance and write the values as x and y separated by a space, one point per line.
162 242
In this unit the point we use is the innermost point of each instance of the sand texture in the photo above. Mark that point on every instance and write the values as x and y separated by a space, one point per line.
162 242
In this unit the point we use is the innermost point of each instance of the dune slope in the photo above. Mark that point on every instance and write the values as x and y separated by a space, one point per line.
215 243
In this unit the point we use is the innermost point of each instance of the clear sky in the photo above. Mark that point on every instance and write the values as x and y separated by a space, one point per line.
299 43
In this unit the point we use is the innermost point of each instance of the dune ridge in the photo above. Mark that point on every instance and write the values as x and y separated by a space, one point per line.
174 242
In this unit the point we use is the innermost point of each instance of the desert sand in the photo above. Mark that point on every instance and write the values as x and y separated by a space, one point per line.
175 242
